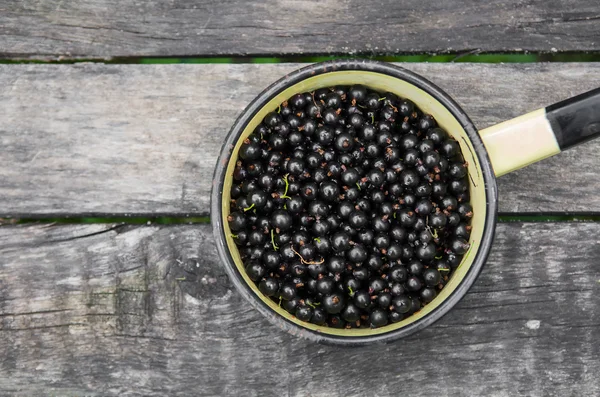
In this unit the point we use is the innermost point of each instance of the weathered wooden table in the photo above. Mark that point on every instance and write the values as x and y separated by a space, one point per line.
145 309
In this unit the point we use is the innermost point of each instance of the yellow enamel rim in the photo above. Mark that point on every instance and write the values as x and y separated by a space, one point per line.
382 83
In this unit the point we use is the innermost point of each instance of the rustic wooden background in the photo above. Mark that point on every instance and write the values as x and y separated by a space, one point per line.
122 309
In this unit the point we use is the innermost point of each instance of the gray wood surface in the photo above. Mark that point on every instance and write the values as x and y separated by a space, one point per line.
110 28
122 310
122 139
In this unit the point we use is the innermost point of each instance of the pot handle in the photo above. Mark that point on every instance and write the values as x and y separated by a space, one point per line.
516 143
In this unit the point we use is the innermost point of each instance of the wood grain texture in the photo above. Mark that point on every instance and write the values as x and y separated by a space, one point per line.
119 139
123 310
116 28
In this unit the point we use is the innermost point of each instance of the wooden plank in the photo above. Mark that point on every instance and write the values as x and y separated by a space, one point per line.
109 28
119 139
105 310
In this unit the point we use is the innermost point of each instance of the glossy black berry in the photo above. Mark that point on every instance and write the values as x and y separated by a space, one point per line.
357 93
459 186
257 198
257 237
360 273
237 221
271 259
362 299
357 219
291 305
250 151
409 178
336 264
462 230
465 210
432 277
375 262
438 220
402 304
329 191
395 317
450 148
378 318
368 132
384 300
334 303
268 286
366 236
406 107
376 286
397 289
426 122
426 252
318 208
255 271
351 313
427 294
281 219
304 313
356 254
413 284
325 285
287 291
319 316
459 246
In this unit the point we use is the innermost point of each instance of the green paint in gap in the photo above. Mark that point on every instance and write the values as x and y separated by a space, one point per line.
548 217
185 60
472 57
444 58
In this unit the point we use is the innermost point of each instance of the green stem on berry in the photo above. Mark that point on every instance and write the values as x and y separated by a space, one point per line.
351 291
438 257
249 208
357 185
275 246
287 186
434 234
234 235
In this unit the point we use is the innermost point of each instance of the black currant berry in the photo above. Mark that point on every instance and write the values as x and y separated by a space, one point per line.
333 303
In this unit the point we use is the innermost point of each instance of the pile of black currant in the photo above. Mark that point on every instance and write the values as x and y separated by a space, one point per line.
350 207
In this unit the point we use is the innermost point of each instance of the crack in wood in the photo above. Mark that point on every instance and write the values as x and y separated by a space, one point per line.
34 313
